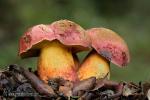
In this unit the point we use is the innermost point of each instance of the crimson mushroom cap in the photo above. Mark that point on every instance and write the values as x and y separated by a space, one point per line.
31 41
70 33
110 45
65 31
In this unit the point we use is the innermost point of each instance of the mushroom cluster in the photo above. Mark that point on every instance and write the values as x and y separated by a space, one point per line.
56 45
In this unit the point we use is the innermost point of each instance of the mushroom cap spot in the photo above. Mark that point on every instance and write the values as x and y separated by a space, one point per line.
67 32
109 45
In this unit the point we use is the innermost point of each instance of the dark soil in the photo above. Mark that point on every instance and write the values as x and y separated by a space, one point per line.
19 83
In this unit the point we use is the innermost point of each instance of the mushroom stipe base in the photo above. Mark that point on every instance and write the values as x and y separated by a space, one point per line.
94 65
56 60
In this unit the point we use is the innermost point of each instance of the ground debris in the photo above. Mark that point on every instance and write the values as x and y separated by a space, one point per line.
19 83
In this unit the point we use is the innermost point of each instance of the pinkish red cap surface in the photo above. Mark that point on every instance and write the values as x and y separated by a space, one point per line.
110 45
33 36
67 32
70 33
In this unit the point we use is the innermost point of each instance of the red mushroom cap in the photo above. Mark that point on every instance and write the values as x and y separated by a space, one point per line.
71 34
65 31
31 40
110 45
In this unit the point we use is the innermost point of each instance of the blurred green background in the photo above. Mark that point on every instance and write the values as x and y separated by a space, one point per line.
129 18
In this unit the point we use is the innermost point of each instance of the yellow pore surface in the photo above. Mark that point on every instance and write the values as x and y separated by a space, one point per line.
94 65
56 61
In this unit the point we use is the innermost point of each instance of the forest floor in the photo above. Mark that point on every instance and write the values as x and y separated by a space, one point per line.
19 83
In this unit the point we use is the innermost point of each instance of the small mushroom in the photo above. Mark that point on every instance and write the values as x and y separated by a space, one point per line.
54 44
108 47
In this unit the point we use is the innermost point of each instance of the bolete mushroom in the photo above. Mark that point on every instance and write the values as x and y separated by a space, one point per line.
107 46
54 44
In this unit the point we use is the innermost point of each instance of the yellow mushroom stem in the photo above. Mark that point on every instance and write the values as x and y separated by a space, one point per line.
56 61
94 65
